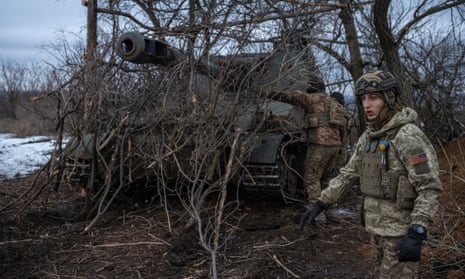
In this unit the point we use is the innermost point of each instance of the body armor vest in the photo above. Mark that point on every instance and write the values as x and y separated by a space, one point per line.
378 180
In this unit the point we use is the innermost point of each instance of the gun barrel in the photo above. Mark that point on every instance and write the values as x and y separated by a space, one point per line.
136 48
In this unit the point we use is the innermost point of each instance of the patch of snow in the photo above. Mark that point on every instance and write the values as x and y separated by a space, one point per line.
22 156
345 212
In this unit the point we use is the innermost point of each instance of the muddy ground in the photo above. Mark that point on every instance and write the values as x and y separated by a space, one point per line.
138 240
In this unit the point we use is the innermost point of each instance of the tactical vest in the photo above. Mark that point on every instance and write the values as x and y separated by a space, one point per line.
378 180
333 116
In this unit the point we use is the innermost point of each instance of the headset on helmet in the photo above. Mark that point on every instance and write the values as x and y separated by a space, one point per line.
378 81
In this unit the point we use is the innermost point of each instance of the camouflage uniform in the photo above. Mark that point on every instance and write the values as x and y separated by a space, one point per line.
385 260
345 139
345 132
324 141
404 190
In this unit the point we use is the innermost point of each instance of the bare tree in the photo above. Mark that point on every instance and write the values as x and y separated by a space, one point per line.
178 127
13 76
389 42
437 85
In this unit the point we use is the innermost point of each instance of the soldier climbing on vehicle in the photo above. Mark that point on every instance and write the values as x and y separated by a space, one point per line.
324 118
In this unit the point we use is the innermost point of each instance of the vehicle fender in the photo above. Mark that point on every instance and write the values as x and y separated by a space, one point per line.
81 147
266 150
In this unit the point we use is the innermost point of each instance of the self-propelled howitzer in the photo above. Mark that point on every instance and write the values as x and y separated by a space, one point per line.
274 163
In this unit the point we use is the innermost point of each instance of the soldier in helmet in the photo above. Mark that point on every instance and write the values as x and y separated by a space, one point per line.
397 170
323 119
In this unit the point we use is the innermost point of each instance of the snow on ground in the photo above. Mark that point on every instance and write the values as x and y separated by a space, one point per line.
21 156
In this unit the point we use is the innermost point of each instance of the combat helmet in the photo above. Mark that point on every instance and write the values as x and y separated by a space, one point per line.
338 97
315 83
380 82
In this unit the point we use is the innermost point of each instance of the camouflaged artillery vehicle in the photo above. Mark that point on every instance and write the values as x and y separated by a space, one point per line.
274 162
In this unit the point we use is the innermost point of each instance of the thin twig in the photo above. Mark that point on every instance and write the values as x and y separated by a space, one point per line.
461 152
284 267
271 245
459 178
111 245
17 241
447 158
159 239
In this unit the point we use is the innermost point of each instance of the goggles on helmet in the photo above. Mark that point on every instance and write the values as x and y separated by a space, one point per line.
376 81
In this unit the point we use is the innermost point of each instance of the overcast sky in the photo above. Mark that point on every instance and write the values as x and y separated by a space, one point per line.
26 25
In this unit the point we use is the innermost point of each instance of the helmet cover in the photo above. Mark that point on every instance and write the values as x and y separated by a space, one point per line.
376 81
315 83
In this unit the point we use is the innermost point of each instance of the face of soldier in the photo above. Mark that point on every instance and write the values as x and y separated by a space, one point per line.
372 105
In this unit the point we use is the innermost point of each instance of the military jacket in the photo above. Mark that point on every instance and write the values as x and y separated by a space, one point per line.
410 155
313 103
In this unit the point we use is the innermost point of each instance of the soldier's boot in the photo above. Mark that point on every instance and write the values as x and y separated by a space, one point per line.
321 219
297 216
331 216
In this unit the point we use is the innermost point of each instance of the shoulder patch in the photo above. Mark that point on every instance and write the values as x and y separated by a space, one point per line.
418 158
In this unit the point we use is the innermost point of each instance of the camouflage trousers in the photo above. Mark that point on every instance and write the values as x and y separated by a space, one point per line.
385 260
320 163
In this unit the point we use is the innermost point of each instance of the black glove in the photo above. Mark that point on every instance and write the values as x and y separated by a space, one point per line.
311 213
409 246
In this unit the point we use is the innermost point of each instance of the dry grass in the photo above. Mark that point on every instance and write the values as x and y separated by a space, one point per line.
24 128
28 122
32 117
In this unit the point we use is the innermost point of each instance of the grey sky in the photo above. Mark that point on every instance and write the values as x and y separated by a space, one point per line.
27 25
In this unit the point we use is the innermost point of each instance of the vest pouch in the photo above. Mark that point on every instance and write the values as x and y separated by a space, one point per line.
336 114
406 194
389 185
374 181
311 121
371 176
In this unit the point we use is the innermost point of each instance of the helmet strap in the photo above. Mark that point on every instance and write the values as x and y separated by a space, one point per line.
390 104
384 116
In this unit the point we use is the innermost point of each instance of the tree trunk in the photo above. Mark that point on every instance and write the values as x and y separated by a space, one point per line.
356 62
91 54
389 47
91 29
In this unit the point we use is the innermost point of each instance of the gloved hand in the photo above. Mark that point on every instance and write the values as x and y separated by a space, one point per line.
409 246
309 216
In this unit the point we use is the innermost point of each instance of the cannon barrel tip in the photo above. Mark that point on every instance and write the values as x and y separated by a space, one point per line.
131 47
136 48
